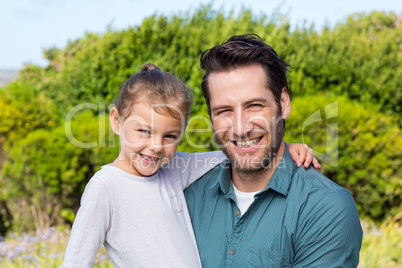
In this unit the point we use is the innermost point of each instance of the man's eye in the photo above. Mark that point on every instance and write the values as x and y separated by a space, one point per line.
255 106
222 112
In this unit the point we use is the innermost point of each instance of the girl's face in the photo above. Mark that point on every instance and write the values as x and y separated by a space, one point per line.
148 139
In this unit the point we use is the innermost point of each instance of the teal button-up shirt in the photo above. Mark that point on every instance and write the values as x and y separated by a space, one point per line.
300 219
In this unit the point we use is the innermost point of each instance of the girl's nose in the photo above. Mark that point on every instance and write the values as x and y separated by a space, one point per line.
155 144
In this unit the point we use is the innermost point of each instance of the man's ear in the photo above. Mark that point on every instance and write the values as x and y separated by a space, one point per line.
114 120
285 103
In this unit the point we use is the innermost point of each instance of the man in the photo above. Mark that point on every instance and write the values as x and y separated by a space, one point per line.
259 209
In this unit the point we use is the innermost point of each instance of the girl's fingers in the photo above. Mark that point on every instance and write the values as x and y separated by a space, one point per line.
302 155
316 163
309 157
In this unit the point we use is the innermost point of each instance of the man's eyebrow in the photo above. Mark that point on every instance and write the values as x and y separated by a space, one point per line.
221 107
261 100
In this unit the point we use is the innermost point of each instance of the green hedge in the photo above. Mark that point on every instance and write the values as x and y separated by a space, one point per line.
359 59
360 149
47 171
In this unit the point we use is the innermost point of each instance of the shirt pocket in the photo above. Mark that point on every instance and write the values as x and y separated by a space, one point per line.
175 202
269 259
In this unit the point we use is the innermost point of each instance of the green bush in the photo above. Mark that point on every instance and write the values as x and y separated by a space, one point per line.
360 59
92 68
22 111
360 148
46 171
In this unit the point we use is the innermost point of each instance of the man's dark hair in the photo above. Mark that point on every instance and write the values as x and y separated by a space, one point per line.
240 51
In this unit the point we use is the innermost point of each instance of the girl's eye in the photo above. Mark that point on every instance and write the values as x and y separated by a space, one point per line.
144 131
171 137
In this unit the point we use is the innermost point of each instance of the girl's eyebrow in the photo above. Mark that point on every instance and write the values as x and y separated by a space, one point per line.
174 131
137 124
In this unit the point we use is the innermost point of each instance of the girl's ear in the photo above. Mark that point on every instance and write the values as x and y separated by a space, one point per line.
114 120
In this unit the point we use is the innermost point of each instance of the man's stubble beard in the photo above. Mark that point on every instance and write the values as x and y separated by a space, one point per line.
268 156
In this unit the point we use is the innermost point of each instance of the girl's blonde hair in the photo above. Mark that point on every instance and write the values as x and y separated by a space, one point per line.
170 95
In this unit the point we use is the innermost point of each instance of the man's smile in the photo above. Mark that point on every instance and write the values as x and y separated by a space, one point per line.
246 142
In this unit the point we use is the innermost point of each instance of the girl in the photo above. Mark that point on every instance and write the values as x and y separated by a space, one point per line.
135 206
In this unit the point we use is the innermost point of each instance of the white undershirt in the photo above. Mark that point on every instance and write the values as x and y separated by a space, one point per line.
244 199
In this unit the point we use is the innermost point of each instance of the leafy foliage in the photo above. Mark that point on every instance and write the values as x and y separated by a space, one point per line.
23 111
360 58
46 171
360 149
358 63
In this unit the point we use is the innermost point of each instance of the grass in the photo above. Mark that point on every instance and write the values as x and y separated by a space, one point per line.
382 247
41 249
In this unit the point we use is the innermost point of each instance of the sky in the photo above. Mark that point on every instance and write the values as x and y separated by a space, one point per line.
29 26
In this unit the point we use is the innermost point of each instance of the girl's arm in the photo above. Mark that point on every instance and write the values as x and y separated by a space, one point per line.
302 153
190 167
90 226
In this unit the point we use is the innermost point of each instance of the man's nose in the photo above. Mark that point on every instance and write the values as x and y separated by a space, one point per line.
241 124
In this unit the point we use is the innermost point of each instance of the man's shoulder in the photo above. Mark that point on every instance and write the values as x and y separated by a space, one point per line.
313 181
314 190
327 217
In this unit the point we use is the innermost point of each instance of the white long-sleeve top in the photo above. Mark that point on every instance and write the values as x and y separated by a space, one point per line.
142 221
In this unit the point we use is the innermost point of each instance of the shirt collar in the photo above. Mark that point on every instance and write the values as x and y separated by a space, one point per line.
283 174
224 179
279 182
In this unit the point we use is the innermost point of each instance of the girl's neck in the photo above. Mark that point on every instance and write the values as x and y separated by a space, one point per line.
121 164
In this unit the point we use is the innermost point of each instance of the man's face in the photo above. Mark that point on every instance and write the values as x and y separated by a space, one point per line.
245 118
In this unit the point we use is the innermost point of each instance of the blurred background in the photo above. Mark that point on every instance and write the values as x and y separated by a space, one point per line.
56 55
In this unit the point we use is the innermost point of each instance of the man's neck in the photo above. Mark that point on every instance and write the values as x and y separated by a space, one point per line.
258 180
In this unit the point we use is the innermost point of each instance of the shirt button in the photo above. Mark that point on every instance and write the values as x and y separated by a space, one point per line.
232 252
237 213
